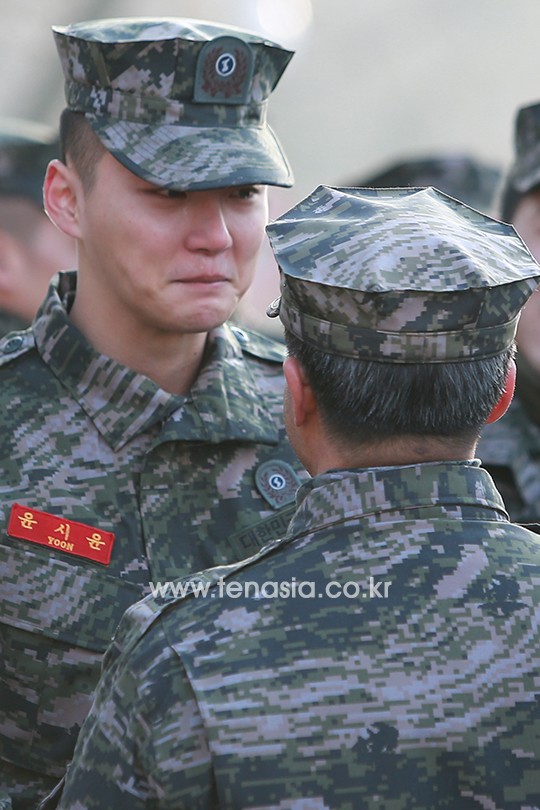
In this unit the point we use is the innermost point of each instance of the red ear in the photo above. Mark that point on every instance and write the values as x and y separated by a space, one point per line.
502 405
60 197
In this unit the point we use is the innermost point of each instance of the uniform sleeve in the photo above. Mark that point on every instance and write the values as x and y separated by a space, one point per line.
143 744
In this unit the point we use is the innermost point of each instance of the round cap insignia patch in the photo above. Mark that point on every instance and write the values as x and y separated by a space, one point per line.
224 72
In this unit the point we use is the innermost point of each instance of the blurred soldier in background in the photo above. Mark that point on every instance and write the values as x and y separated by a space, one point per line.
141 436
386 654
510 449
32 249
461 176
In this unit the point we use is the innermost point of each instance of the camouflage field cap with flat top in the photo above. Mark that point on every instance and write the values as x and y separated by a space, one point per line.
181 103
406 275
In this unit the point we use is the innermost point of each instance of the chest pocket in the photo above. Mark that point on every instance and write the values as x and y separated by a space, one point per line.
56 621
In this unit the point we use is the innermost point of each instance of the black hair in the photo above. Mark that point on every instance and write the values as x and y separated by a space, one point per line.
80 144
364 401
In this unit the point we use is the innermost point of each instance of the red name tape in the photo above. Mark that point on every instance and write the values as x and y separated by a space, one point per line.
60 534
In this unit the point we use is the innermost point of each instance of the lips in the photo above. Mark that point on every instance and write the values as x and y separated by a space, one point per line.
202 279
205 279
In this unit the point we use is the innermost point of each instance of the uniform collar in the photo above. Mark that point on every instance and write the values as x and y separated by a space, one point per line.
438 489
223 404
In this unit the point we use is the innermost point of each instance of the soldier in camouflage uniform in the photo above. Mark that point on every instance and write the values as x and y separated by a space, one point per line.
32 249
510 449
459 175
142 437
386 653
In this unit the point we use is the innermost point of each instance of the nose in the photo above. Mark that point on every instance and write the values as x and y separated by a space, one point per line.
209 231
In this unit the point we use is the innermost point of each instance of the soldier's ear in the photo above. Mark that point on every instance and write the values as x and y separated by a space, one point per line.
62 193
300 396
502 405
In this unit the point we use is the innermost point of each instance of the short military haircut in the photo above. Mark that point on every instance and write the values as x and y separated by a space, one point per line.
365 401
80 144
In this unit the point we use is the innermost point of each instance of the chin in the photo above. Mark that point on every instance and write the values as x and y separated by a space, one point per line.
215 316
204 323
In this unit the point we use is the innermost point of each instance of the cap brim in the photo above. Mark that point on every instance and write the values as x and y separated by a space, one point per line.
191 158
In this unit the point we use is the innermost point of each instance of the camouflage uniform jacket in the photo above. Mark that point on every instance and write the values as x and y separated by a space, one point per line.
401 671
183 483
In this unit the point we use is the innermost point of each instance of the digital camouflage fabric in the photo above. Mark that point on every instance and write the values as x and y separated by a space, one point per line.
399 275
182 103
89 448
401 671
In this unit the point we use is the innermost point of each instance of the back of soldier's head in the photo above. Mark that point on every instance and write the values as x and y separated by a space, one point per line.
402 305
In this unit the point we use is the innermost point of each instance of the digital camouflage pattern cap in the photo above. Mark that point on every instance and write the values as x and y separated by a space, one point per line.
406 275
182 103
26 147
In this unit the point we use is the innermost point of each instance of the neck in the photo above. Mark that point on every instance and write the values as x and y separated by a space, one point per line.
398 452
171 360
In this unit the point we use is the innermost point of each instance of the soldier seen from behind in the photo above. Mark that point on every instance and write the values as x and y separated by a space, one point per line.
385 654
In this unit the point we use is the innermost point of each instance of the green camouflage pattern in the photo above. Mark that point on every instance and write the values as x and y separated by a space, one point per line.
26 147
399 275
424 698
524 173
510 449
181 103
179 480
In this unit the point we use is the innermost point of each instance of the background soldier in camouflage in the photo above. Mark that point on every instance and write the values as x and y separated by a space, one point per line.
510 449
31 247
459 175
403 670
141 438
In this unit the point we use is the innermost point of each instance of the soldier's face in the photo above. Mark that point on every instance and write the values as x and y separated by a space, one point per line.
176 261
526 221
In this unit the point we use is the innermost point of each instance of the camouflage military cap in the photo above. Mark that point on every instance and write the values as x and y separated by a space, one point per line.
181 103
399 275
26 147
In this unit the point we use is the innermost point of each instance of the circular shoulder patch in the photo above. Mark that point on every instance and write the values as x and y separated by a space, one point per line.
277 482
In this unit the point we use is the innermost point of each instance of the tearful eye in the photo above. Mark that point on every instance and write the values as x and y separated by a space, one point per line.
246 192
172 194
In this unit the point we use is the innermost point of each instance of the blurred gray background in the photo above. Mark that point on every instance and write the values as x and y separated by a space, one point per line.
372 80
